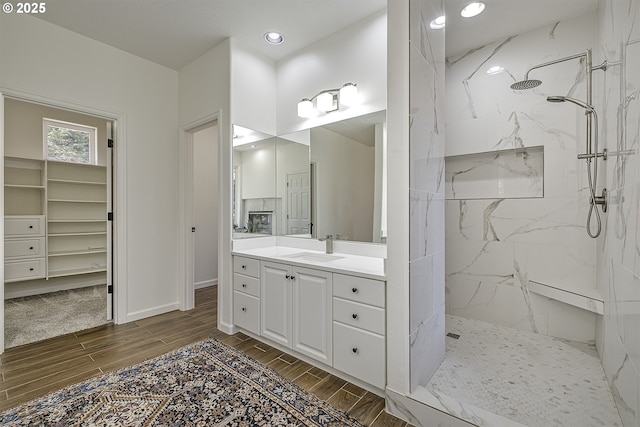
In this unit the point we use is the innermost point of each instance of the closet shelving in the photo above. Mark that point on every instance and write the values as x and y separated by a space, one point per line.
24 219
24 186
76 220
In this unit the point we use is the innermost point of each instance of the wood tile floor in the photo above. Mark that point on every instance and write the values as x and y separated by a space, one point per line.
32 370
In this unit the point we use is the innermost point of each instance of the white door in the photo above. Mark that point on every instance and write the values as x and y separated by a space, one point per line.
298 203
275 300
312 315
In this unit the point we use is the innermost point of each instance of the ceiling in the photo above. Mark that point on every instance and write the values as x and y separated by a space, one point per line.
175 32
504 18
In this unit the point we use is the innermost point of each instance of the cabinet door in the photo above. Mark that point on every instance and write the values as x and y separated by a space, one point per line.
275 302
312 315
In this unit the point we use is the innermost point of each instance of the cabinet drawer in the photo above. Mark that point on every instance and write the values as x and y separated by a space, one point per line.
23 270
248 285
246 312
247 266
359 315
24 248
360 354
24 226
359 289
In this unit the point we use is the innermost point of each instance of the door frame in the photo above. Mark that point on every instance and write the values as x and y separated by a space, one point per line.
187 241
119 189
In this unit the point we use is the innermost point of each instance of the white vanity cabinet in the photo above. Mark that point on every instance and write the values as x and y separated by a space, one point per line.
276 303
359 328
246 293
335 318
296 309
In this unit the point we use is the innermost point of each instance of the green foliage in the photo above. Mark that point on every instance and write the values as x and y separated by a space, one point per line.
68 145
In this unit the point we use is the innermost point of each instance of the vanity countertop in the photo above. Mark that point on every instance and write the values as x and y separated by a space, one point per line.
357 265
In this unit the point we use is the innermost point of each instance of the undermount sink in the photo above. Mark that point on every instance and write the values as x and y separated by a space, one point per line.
310 256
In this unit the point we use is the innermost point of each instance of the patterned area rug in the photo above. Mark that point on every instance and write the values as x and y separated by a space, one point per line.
203 384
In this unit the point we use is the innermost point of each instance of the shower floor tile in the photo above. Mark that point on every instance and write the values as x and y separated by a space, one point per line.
533 379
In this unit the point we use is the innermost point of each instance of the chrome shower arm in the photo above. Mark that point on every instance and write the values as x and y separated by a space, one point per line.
556 61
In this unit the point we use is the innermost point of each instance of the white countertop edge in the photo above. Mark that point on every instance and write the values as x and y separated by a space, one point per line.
355 265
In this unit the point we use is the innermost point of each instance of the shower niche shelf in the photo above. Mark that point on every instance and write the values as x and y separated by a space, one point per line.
504 174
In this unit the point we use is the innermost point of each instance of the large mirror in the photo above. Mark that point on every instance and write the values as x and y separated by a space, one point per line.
254 201
325 180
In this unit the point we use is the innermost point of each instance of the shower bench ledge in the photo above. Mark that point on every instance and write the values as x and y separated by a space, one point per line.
585 298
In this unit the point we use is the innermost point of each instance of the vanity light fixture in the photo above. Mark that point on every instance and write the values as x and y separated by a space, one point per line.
328 100
496 69
472 9
273 37
438 23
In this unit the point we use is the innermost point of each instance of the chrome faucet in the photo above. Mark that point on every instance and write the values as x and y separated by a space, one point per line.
329 240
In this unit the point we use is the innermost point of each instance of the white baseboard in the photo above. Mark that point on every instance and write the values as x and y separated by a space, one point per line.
154 311
227 328
205 283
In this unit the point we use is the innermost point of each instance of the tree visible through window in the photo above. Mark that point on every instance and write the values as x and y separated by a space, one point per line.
69 142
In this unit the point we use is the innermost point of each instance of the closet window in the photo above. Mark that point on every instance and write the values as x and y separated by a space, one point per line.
70 142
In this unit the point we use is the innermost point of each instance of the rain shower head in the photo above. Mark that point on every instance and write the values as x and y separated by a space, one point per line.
526 84
582 104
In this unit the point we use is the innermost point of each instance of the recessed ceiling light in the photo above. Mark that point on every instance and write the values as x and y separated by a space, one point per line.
472 9
438 23
273 37
496 69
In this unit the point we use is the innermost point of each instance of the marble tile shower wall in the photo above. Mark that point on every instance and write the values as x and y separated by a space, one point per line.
527 220
619 249
426 192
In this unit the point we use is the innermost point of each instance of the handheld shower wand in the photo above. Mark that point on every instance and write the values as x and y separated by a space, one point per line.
593 179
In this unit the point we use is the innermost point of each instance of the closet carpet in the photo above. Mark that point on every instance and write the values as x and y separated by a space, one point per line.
36 318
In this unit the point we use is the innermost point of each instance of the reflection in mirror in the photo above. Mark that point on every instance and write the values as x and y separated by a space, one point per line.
346 180
254 203
293 186
347 159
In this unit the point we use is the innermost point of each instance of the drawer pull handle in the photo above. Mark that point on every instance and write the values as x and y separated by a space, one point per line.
31 248
244 309
244 267
244 285
354 315
31 269
31 226
355 350
293 277
354 290
287 277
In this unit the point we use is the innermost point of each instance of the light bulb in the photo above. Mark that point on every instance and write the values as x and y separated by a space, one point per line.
472 9
348 94
438 23
305 108
324 102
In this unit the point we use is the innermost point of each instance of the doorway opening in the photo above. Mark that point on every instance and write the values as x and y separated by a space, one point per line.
204 178
58 193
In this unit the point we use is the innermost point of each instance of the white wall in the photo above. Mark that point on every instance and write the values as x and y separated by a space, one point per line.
253 89
207 87
205 209
258 171
204 95
356 54
345 171
44 60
